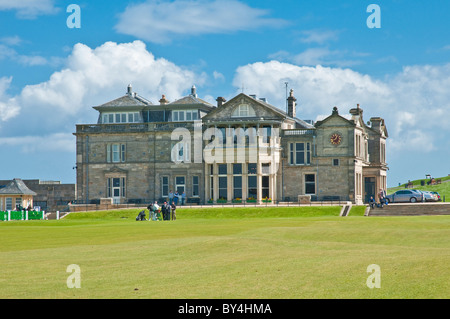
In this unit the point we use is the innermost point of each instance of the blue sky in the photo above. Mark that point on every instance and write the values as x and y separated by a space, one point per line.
51 75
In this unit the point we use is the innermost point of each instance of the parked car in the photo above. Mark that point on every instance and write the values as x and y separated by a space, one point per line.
429 196
407 195
438 196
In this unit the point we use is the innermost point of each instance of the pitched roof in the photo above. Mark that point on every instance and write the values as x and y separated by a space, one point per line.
16 187
126 100
190 99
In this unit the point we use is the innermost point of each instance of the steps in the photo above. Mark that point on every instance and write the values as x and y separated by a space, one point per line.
408 209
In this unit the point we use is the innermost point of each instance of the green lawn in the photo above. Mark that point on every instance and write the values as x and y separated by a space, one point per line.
216 253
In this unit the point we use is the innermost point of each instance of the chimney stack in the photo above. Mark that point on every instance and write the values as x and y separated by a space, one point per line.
220 100
163 100
291 104
129 90
194 91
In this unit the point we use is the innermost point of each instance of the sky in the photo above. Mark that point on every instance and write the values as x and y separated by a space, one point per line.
58 59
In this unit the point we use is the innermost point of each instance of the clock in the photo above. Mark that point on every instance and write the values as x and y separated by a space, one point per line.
336 139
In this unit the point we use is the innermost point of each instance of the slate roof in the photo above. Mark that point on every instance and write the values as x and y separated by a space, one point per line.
190 99
126 100
16 187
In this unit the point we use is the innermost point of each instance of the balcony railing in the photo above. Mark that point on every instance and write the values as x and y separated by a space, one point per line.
296 132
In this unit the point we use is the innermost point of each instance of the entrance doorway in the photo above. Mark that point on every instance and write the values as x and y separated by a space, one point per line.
369 188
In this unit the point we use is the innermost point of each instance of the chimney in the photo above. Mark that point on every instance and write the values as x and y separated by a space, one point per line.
253 96
220 100
377 123
356 113
291 104
194 91
129 90
163 100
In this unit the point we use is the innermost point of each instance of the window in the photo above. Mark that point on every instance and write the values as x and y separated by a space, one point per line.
252 187
267 132
310 184
335 162
223 190
237 187
251 168
184 115
252 181
180 183
19 202
131 117
182 153
237 181
222 169
300 153
195 188
115 153
265 187
164 186
211 187
8 202
223 181
243 110
237 169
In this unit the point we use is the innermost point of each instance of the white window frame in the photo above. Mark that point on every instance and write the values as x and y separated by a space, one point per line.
182 115
293 160
120 117
118 150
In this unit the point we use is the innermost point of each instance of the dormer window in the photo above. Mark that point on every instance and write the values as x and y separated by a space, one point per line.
243 110
110 118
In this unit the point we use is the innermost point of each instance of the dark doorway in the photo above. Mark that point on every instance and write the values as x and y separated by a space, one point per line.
369 188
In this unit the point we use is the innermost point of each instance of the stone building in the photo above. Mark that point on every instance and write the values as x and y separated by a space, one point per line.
244 149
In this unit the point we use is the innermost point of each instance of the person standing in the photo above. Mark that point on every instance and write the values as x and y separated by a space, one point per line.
166 211
174 211
381 197
183 198
175 197
170 197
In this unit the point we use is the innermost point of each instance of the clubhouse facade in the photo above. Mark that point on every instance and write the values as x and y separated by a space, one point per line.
241 150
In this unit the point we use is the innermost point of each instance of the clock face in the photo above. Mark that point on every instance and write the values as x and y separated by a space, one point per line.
336 139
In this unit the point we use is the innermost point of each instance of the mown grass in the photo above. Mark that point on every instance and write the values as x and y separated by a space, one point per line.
227 253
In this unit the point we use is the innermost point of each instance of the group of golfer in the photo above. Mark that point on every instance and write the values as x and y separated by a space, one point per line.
168 211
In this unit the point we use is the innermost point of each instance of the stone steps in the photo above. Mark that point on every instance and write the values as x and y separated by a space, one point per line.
407 209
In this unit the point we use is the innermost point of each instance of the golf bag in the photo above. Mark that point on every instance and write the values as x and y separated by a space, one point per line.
141 216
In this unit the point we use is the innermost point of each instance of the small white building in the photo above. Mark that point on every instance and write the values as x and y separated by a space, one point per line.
15 194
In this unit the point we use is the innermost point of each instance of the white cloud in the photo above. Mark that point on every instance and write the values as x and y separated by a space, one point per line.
415 102
96 76
320 56
318 36
8 106
29 9
160 22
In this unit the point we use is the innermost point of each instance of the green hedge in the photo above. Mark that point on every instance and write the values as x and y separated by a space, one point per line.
32 215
